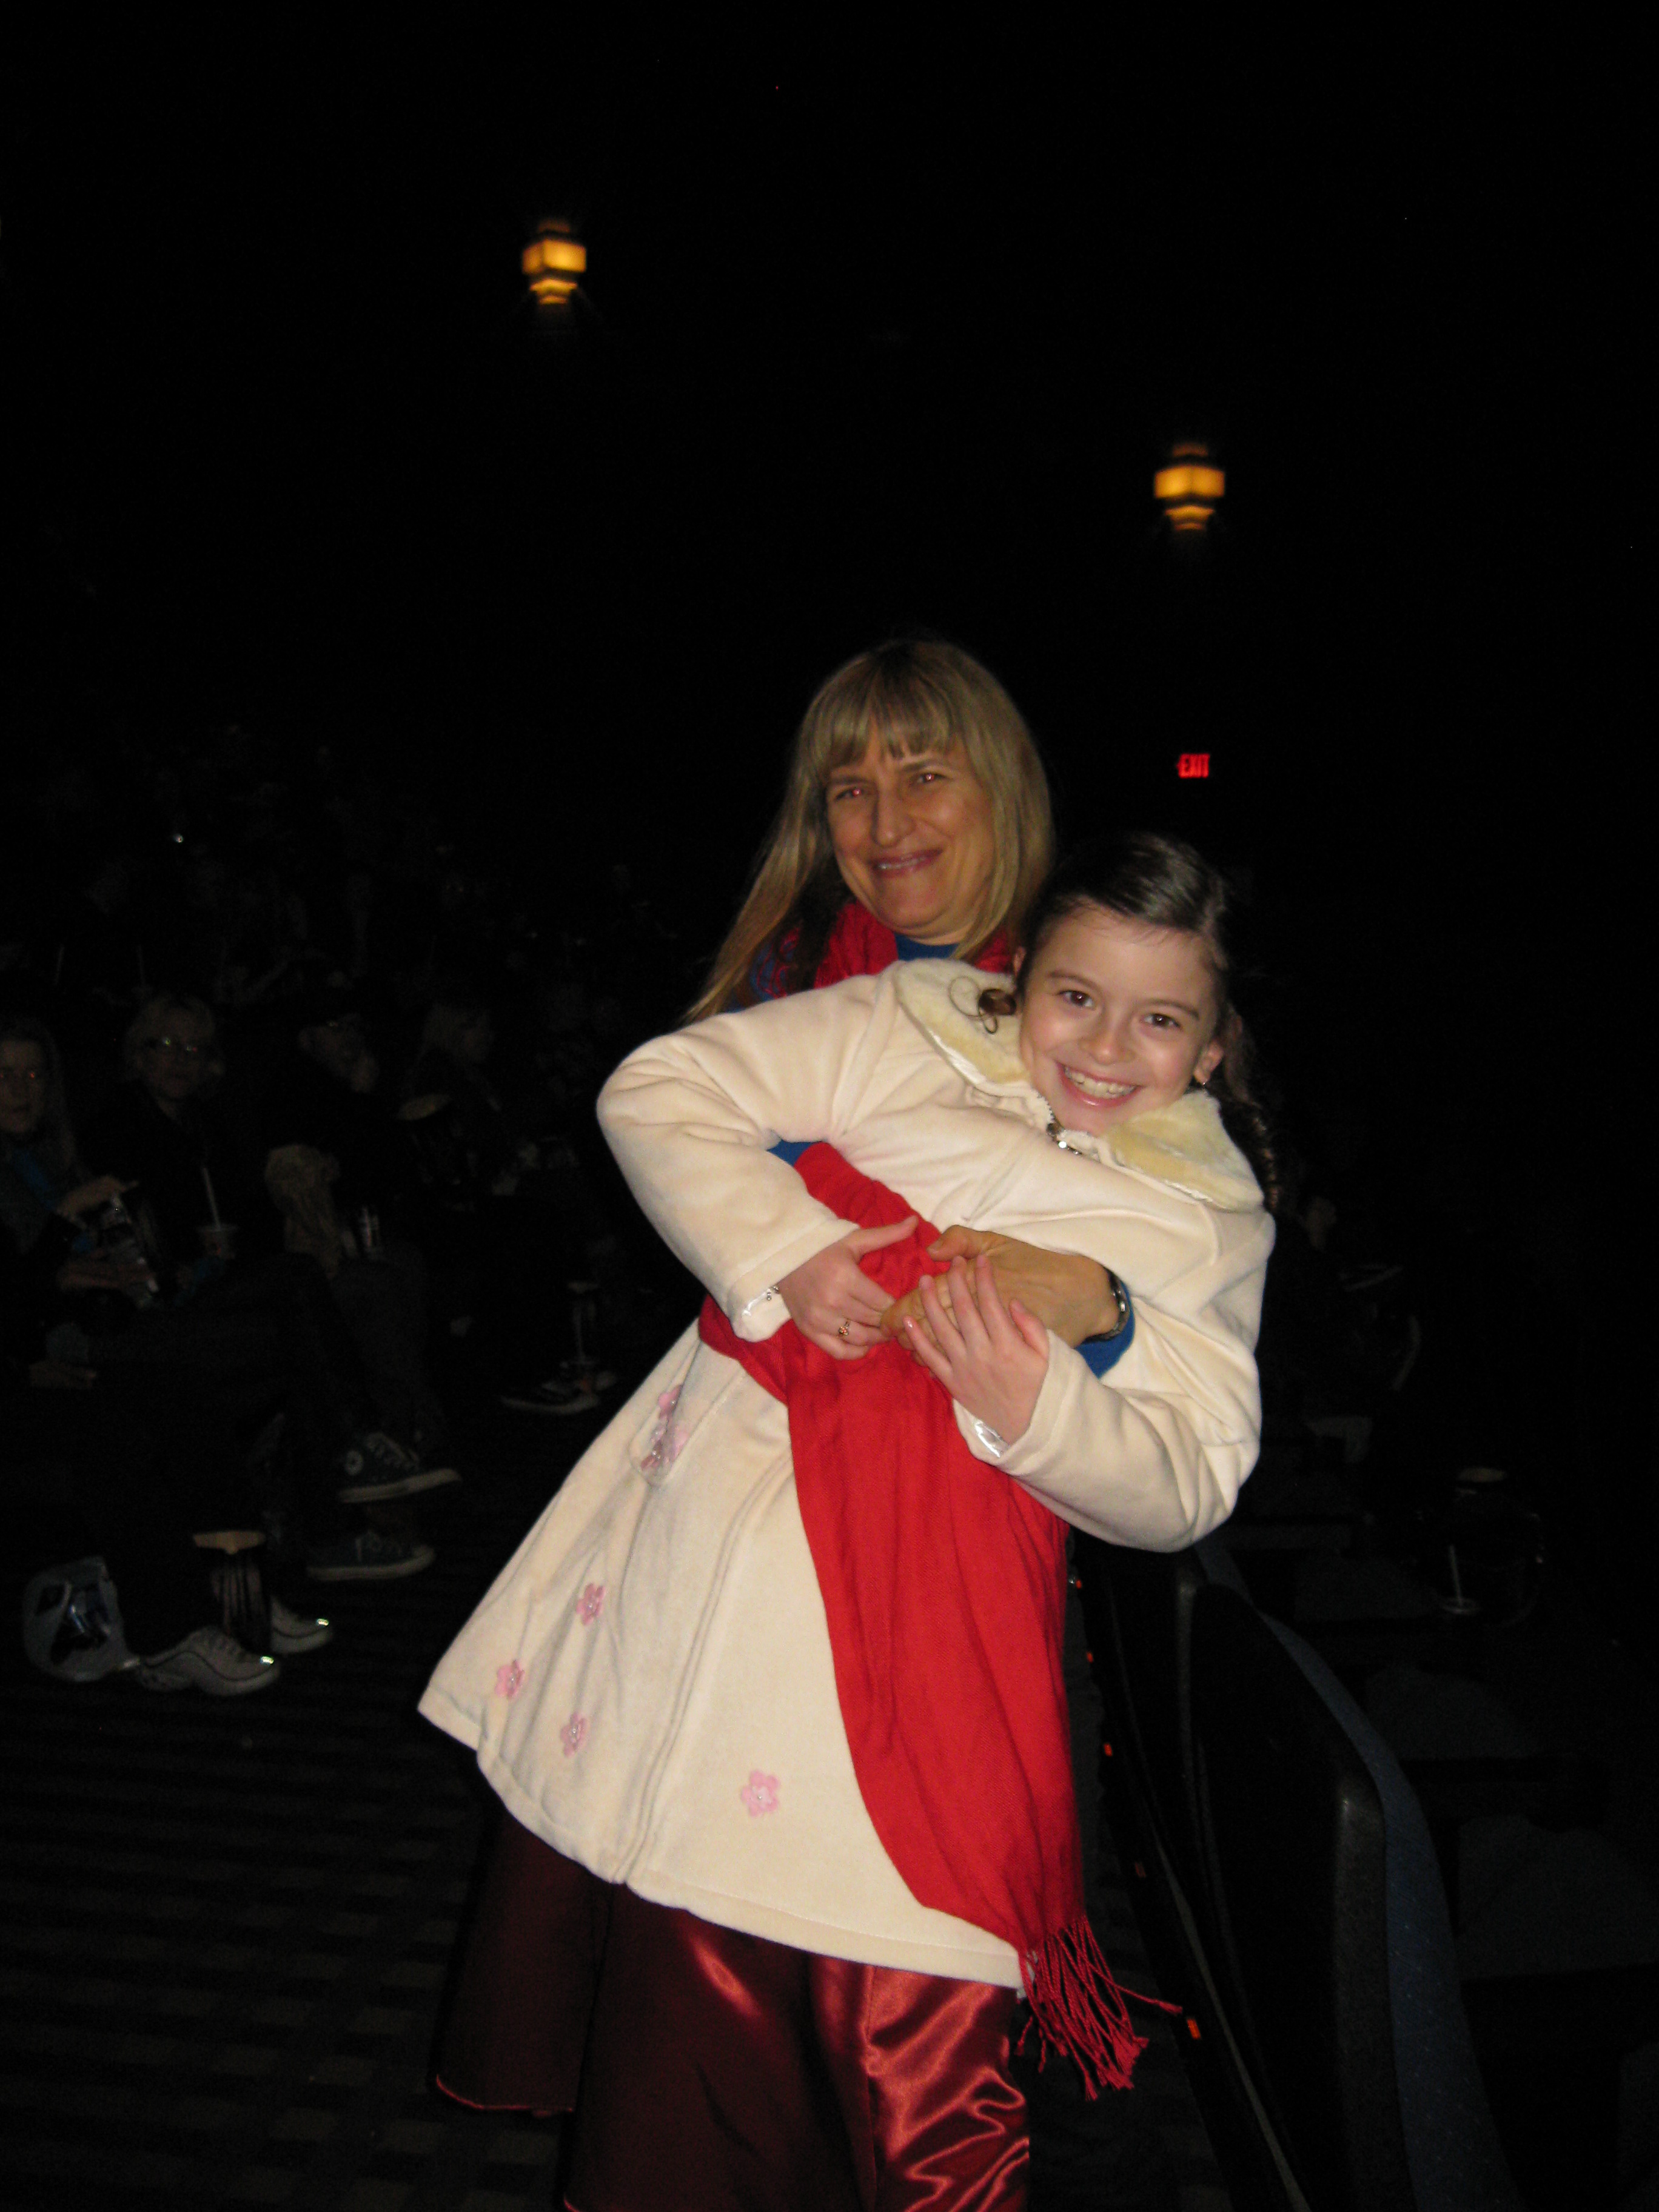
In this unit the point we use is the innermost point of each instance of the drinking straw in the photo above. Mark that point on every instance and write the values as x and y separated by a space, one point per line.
213 1203
1457 1580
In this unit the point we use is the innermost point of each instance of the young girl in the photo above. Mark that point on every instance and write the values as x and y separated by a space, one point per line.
778 1667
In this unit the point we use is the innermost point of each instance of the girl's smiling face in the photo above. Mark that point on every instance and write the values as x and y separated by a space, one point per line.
1116 1018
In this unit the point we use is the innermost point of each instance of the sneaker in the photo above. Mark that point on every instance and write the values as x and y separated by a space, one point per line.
377 1466
208 1660
587 1375
369 1556
72 1623
556 1395
292 1633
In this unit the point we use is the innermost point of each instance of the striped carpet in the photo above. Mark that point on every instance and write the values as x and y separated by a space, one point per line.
227 1924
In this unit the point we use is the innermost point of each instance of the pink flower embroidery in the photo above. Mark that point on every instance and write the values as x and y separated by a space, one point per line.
574 1734
590 1603
660 1434
509 1679
759 1794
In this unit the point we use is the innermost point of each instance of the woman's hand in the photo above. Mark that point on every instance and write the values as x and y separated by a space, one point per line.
832 1302
99 1192
1065 1292
991 1357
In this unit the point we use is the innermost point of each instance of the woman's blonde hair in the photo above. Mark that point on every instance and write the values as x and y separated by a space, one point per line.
150 1022
919 696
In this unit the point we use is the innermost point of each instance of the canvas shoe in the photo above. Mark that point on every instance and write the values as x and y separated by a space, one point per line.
208 1660
556 1395
294 1632
588 1374
369 1556
376 1468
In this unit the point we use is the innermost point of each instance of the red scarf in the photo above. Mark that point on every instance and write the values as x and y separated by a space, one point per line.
944 1585
859 945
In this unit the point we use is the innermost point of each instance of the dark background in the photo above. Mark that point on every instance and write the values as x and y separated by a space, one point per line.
884 333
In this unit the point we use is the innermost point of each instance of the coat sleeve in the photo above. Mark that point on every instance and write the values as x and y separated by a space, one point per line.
691 1118
1153 1453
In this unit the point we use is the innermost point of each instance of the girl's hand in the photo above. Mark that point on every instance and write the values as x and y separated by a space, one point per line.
82 1199
991 1358
832 1302
1066 1293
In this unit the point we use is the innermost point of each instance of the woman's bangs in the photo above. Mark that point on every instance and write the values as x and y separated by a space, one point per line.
907 725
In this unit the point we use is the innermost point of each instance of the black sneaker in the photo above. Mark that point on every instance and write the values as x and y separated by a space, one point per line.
370 1556
587 1375
376 1466
556 1395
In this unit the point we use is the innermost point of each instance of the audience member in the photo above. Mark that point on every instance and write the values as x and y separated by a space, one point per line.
151 1464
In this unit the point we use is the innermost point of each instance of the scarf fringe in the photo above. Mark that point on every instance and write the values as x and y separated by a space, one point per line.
1077 2008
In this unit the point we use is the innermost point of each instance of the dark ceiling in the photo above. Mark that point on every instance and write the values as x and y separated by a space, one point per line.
869 339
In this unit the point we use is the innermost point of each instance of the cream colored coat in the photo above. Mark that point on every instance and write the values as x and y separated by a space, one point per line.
648 1686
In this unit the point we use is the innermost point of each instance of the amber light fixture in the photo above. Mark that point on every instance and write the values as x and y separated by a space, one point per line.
554 261
1189 487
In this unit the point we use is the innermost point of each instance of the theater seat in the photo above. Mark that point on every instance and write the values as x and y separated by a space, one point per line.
1328 1934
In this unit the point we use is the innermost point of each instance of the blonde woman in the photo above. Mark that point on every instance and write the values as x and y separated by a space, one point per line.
916 824
916 806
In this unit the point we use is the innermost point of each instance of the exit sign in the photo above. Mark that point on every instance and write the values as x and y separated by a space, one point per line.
1192 764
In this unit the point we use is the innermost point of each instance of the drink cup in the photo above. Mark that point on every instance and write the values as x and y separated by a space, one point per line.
218 1239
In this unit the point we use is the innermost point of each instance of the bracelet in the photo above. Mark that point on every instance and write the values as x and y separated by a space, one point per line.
1120 1297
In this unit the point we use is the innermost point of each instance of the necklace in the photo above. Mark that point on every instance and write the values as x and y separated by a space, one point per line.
1057 1138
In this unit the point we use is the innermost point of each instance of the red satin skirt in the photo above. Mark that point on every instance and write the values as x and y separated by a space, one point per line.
711 2071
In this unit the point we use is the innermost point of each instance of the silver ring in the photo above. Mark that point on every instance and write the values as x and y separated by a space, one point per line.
845 1332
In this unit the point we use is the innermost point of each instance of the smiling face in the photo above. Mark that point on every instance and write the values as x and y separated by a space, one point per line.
1117 1017
23 1080
913 839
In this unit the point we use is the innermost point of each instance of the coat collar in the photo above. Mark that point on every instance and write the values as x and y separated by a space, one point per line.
1183 1145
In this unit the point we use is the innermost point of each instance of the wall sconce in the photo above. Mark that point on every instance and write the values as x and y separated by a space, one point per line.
554 262
1188 488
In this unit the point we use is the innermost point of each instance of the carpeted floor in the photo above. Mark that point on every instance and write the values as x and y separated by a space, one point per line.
228 1924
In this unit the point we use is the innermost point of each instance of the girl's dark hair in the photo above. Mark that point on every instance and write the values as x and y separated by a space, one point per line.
1167 884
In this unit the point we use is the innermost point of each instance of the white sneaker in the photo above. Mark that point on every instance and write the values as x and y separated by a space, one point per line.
292 1633
72 1623
208 1660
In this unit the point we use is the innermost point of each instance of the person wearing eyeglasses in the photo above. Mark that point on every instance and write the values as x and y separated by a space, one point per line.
173 1129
